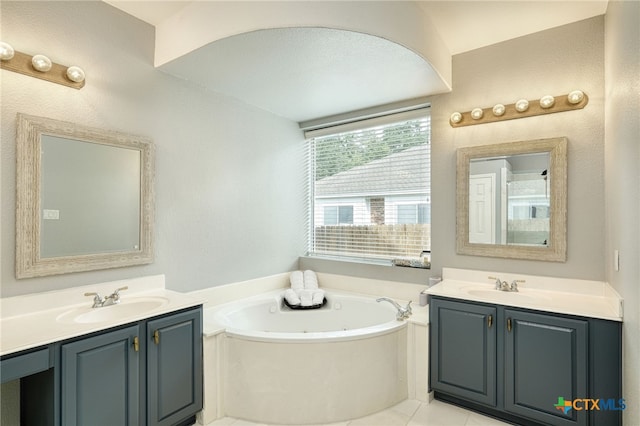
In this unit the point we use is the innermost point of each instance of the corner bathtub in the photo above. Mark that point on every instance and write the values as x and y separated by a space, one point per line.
345 360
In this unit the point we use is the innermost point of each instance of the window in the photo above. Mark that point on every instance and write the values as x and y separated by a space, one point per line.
413 213
338 215
370 188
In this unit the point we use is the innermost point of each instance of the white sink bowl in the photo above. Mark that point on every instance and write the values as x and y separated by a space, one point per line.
128 307
504 296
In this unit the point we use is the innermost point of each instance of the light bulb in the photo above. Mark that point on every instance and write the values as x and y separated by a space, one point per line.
75 74
6 51
456 117
575 97
41 63
522 105
498 110
477 113
547 101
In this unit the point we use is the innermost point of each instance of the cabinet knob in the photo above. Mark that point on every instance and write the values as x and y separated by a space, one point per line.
156 337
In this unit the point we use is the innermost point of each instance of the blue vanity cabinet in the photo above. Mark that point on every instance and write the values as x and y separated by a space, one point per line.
174 367
463 350
144 373
545 359
519 364
100 379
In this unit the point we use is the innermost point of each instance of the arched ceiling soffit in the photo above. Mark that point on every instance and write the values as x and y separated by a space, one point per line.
198 24
308 73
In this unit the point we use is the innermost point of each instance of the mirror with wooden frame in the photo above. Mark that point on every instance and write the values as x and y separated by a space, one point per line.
512 200
84 198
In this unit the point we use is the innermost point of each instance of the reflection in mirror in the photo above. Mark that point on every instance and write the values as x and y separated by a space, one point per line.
512 200
84 199
90 198
509 199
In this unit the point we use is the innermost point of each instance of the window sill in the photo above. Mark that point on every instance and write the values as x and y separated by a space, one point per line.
381 269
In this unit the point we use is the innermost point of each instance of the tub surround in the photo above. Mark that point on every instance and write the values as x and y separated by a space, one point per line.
32 320
223 352
594 299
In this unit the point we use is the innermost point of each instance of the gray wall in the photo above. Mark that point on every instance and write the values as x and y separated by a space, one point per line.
553 62
622 181
228 176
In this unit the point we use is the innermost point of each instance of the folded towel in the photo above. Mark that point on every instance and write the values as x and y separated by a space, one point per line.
291 297
297 280
310 280
306 297
317 297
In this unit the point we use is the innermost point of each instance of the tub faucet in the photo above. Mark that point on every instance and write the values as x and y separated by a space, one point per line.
403 313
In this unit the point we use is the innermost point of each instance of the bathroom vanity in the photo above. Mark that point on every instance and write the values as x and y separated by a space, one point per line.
143 366
524 355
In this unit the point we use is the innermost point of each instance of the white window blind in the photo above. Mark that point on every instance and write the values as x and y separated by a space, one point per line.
370 189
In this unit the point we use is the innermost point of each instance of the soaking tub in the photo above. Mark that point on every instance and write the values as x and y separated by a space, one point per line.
345 360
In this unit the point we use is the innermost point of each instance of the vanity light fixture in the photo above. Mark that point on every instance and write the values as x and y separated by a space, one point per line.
547 104
477 113
498 110
40 66
41 63
575 97
522 105
456 117
6 51
547 101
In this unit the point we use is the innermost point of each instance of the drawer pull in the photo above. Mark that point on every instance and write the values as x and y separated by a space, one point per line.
490 321
136 344
156 337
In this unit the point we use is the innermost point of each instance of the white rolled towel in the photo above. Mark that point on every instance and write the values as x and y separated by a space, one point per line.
306 297
310 280
318 297
297 280
292 297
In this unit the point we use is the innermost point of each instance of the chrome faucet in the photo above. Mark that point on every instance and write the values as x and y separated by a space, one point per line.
403 313
97 300
112 299
505 286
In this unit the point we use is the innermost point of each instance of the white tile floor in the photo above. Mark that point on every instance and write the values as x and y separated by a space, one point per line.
406 413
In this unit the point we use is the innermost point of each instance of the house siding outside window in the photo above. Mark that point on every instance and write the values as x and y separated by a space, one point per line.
371 191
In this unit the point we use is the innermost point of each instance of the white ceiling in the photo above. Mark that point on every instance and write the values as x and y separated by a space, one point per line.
309 73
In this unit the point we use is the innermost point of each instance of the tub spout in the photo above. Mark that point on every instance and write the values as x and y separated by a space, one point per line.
403 313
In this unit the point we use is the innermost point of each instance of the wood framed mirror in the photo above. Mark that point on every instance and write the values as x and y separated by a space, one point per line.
84 198
512 200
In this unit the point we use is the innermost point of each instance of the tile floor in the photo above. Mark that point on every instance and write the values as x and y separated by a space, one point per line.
406 413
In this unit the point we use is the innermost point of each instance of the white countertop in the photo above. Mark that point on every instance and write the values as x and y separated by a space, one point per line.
34 320
594 299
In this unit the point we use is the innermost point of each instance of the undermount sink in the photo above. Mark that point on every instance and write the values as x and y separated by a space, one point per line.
513 296
127 307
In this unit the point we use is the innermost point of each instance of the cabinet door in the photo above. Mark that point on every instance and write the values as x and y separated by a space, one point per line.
100 383
463 350
174 367
545 360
